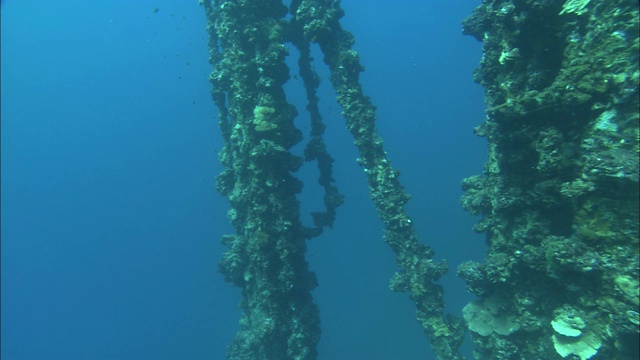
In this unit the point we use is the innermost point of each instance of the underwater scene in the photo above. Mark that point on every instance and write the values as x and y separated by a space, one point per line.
319 180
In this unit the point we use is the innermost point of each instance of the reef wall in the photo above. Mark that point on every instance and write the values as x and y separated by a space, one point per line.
559 195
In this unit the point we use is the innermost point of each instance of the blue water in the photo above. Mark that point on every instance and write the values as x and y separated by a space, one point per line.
110 219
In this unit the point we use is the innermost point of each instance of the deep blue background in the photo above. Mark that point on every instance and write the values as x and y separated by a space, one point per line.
110 219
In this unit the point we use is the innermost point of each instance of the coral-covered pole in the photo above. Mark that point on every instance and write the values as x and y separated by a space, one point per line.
319 22
265 257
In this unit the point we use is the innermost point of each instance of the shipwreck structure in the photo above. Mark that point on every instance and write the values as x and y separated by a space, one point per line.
558 198
559 195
